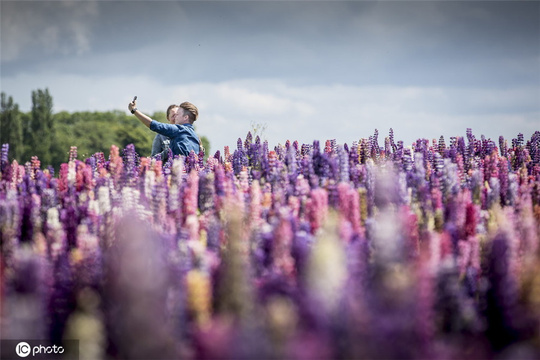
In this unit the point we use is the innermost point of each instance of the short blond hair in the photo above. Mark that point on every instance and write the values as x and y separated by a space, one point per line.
190 110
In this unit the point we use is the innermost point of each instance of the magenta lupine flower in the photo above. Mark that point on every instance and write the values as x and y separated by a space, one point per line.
83 177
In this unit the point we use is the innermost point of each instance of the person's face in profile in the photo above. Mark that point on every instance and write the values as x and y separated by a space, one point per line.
180 117
172 114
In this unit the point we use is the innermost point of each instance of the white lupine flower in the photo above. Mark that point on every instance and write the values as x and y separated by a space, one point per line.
71 173
149 182
53 218
327 269
104 200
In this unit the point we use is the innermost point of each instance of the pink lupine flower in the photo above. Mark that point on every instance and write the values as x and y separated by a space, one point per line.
72 153
116 165
317 208
464 255
475 255
63 178
471 219
17 174
409 224
36 164
491 166
345 230
227 154
281 252
243 180
424 312
302 187
191 190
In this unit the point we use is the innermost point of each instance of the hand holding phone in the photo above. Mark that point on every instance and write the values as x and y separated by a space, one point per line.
132 104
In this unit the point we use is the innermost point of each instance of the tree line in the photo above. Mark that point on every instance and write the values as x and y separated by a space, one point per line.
49 136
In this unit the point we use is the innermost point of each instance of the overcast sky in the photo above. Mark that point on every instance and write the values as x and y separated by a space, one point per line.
306 70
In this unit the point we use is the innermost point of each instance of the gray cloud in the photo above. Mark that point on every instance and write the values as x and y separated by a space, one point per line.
414 43
35 29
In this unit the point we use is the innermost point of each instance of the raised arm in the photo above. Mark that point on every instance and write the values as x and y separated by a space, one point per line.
146 120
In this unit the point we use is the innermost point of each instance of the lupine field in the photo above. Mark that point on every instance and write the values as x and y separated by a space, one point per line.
303 251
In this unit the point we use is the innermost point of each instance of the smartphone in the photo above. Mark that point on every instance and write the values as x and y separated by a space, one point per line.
135 98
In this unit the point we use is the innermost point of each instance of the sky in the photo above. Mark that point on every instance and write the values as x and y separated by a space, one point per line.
286 70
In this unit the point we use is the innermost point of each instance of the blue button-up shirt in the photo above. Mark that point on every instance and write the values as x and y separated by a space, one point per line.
183 137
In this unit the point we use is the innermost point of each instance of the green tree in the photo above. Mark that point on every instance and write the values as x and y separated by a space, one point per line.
206 144
11 127
41 130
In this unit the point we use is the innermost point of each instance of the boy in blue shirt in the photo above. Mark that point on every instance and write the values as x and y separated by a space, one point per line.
181 132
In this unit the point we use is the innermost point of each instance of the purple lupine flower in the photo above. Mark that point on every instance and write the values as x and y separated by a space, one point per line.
292 164
239 145
132 256
502 311
456 313
4 157
534 148
130 165
191 162
201 159
248 141
206 192
450 180
494 192
503 179
343 161
62 300
333 194
407 161
25 294
374 145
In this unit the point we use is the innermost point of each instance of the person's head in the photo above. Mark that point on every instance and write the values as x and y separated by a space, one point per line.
171 112
187 113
